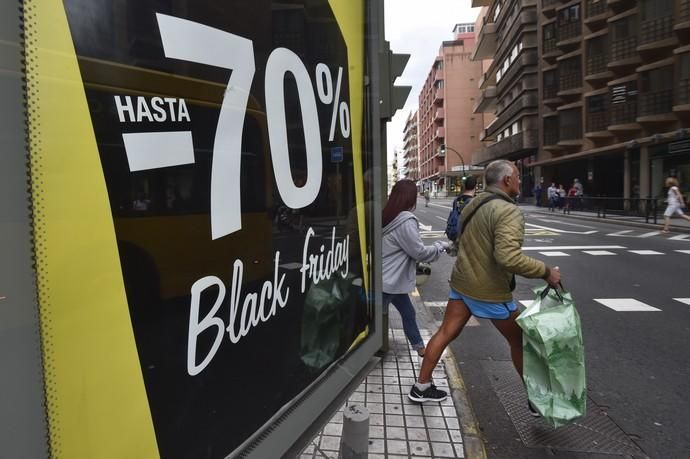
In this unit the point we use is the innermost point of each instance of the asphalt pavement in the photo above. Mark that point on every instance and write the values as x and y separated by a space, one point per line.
631 286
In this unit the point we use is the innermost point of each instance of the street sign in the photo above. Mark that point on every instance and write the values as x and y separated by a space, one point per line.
203 259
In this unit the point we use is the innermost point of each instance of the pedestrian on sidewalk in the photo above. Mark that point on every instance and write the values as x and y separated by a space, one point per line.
674 203
537 192
552 195
427 196
483 276
402 249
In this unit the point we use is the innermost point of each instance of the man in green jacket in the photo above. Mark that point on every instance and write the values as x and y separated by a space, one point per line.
482 281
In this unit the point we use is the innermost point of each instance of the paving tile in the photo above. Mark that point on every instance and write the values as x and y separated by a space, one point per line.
376 420
455 436
449 411
333 429
417 434
376 456
391 389
432 410
407 373
374 398
435 422
419 448
375 408
391 380
330 443
442 449
394 399
407 383
397 447
376 445
438 435
308 456
357 397
375 388
390 372
394 420
393 408
395 433
376 431
414 421
412 408
459 449
453 423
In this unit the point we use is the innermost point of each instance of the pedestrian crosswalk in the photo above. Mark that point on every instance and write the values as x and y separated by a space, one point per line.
622 304
641 234
566 251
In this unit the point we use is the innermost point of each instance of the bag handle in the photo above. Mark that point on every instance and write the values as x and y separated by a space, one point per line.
545 292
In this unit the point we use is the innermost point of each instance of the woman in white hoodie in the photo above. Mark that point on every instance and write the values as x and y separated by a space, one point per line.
402 249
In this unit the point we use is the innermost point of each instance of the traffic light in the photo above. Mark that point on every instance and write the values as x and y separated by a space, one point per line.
391 66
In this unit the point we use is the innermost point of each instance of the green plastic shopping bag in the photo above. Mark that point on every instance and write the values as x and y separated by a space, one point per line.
554 356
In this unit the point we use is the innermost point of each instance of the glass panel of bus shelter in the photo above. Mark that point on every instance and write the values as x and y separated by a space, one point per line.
230 137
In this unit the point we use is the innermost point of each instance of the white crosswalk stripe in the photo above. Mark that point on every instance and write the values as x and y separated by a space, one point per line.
683 300
650 234
645 252
625 304
683 251
681 237
555 254
598 252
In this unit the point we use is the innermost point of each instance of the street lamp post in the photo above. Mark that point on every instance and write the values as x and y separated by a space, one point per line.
445 147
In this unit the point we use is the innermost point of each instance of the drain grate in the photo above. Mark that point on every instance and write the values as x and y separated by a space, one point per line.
596 433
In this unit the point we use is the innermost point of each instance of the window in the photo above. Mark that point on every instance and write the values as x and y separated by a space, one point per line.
516 127
684 66
621 30
549 31
657 80
596 104
654 9
569 15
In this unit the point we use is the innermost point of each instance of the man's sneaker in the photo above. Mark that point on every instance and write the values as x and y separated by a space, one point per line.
431 394
532 410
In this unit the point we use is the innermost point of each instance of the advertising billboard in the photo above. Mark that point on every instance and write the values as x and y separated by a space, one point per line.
201 213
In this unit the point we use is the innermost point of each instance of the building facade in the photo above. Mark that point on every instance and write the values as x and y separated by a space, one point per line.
411 147
614 93
447 97
508 36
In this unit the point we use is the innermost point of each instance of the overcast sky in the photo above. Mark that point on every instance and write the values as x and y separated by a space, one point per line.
418 27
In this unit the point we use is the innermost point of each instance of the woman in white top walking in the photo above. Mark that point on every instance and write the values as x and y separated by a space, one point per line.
675 202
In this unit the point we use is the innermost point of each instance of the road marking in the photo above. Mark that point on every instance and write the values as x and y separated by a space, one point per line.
442 207
683 251
560 230
473 322
538 232
683 300
646 252
436 304
555 254
620 233
576 247
625 304
424 227
441 218
598 252
681 237
650 234
565 223
526 303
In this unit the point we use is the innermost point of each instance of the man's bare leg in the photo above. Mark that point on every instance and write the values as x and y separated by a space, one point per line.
513 334
454 320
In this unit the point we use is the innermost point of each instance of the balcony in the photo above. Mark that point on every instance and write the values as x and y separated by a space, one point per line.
524 140
438 76
623 53
528 57
570 134
597 122
487 101
683 21
551 95
479 3
438 96
624 117
486 42
549 48
656 33
568 34
551 138
595 8
440 133
548 7
656 106
439 114
682 96
525 102
596 65
569 79
487 79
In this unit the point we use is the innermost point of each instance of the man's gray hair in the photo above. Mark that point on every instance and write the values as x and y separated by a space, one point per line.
496 170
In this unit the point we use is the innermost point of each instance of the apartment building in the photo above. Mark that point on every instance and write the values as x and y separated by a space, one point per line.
507 42
445 114
614 94
410 147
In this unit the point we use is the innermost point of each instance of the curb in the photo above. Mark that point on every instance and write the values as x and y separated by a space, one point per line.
674 228
471 436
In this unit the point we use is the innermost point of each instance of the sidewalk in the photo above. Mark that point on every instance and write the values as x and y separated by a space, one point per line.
400 428
677 224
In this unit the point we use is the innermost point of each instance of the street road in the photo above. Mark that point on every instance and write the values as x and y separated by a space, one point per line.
632 290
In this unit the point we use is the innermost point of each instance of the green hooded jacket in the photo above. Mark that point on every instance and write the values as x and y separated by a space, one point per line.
490 250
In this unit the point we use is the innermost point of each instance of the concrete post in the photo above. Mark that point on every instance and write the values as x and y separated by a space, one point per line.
354 443
644 175
626 180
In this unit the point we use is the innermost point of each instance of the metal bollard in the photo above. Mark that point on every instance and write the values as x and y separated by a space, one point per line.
354 443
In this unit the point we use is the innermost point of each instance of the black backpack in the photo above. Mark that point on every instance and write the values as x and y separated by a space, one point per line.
453 222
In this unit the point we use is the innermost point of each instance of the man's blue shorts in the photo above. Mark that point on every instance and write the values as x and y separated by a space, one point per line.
482 309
